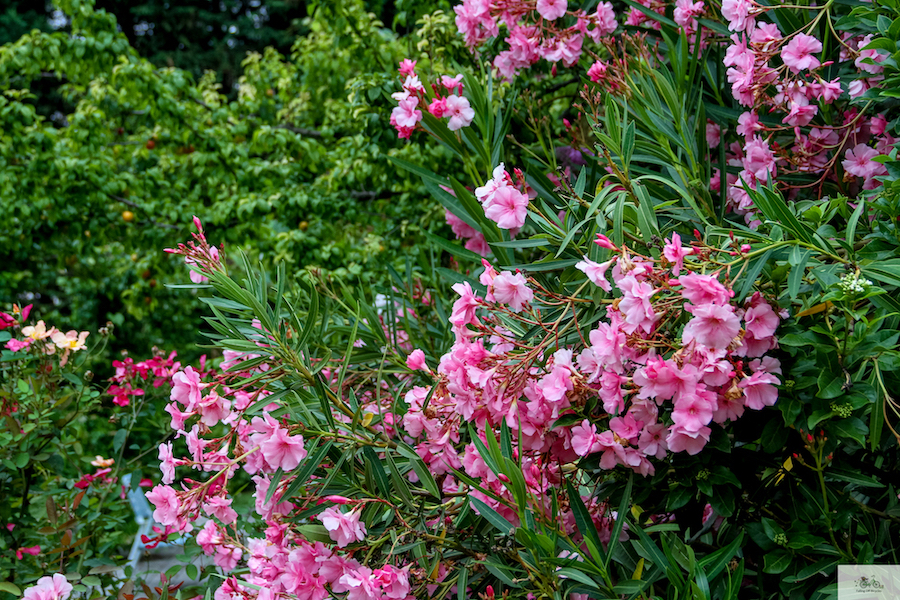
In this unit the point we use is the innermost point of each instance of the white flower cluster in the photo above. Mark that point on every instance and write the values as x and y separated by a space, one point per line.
852 283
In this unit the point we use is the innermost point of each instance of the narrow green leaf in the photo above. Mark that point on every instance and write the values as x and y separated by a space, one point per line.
273 484
453 249
492 516
585 525
751 274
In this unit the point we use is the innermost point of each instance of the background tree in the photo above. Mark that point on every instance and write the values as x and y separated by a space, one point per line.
288 161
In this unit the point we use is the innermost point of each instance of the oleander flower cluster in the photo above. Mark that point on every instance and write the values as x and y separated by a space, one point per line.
504 199
796 92
672 358
799 118
542 30
445 101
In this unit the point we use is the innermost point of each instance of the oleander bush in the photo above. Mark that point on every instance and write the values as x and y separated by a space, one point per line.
657 361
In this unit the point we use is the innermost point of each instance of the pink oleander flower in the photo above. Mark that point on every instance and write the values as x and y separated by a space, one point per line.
416 361
626 427
765 33
460 228
209 537
343 528
872 54
748 124
407 113
552 9
460 112
760 323
829 91
167 463
584 438
612 451
685 10
186 388
653 440
759 159
512 288
713 326
393 582
282 451
463 311
692 442
636 304
56 587
675 253
858 162
798 54
759 390
597 72
412 84
302 584
178 417
606 21
167 504
738 14
478 244
452 84
438 107
507 207
693 411
213 408
801 111
662 379
487 279
499 179
703 289
219 507
231 590
407 67
596 272
556 384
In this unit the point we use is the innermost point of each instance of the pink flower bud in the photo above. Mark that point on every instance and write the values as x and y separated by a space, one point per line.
604 242
338 499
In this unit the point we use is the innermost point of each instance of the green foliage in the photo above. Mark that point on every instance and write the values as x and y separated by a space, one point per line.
798 488
293 168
